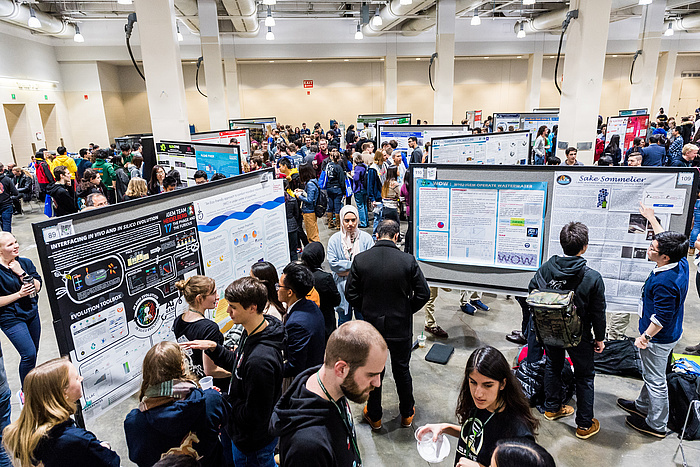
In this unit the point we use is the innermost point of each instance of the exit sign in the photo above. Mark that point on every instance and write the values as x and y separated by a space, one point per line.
14 97
308 84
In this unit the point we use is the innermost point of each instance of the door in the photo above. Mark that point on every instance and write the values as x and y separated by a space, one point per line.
20 134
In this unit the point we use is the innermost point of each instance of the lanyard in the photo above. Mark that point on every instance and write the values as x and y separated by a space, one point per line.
471 440
240 349
342 417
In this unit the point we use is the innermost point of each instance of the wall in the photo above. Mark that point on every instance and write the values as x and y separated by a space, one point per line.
685 97
110 90
134 100
87 115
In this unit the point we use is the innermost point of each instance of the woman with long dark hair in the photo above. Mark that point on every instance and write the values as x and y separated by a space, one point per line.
309 197
155 183
266 273
613 149
491 407
390 194
91 183
540 147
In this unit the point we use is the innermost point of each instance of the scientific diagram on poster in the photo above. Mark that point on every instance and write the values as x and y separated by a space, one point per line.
503 226
608 204
239 228
116 297
494 149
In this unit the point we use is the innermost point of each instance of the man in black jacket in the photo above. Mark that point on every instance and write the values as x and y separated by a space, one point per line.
7 193
564 272
313 418
62 192
256 366
388 288
23 183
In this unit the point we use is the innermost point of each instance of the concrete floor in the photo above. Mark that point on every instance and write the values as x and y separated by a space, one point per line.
435 387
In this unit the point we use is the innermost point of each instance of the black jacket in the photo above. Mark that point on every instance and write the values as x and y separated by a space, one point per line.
311 432
7 191
389 309
23 185
313 256
256 384
590 294
122 183
68 445
64 197
306 337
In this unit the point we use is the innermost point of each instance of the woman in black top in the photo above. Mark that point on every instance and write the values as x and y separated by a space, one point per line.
91 183
155 183
335 188
613 149
313 256
200 294
491 407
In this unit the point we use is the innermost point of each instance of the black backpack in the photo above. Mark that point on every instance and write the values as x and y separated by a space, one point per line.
321 202
683 388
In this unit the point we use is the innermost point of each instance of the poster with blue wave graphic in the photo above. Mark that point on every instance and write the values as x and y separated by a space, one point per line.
224 161
236 230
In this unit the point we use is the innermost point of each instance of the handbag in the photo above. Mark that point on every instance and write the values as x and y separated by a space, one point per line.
48 206
323 180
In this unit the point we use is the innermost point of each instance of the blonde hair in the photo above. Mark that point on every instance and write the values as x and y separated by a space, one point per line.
137 188
163 362
45 406
194 286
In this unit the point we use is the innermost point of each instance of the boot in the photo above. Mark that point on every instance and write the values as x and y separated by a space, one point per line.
336 221
691 251
329 222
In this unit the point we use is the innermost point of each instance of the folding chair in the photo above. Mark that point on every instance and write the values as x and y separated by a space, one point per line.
694 404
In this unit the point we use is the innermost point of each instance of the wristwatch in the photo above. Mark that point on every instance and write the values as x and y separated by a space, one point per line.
646 337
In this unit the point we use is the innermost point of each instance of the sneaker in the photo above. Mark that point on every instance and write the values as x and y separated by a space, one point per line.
630 407
468 308
20 397
585 433
408 421
480 304
639 424
516 337
376 426
564 411
437 331
693 348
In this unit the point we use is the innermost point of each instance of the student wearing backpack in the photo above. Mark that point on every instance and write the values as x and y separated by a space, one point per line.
359 188
309 198
569 272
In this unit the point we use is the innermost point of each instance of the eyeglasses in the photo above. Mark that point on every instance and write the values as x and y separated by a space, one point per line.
280 286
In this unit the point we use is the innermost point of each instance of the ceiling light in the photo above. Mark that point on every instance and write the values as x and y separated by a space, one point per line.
309 61
486 58
270 36
33 20
269 20
645 2
528 2
78 37
405 2
346 60
269 2
376 19
614 56
669 31
475 19
418 59
521 33
358 33
520 56
179 34
124 2
271 61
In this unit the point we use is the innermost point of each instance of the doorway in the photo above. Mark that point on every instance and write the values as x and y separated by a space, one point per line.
20 134
49 122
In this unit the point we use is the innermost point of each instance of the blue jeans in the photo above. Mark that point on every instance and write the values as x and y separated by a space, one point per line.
263 457
377 217
361 201
7 219
4 421
335 199
344 310
25 337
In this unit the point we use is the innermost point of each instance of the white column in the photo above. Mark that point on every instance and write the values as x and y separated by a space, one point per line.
165 86
231 72
586 40
445 62
391 77
534 80
213 68
644 76
666 71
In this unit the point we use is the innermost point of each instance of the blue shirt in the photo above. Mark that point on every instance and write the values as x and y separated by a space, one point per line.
663 297
653 155
676 148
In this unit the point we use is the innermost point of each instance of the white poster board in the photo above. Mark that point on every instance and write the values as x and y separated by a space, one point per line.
491 148
241 137
422 133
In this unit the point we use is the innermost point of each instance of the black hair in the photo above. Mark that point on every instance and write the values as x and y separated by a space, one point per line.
61 150
83 152
306 173
570 149
201 174
413 138
136 146
573 238
169 181
298 278
654 139
521 452
125 147
285 162
176 175
387 229
672 244
605 160
266 273
101 154
553 160
247 291
217 176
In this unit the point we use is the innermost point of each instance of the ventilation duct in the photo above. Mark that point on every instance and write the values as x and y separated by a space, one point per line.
245 23
18 14
392 14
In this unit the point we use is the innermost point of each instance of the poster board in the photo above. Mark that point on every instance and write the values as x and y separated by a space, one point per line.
627 128
241 137
506 120
473 118
490 148
258 131
423 133
187 158
394 121
179 156
110 272
631 112
532 121
572 194
367 123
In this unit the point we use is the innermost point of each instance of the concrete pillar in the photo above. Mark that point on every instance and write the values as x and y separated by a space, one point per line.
231 71
160 53
213 68
644 77
666 71
445 63
586 40
534 79
391 77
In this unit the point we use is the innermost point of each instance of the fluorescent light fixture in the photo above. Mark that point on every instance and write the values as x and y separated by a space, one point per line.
271 61
124 2
269 2
78 37
358 33
309 61
269 20
376 19
418 59
645 2
270 36
475 19
669 31
33 20
486 58
520 56
405 2
521 33
528 2
346 60
179 34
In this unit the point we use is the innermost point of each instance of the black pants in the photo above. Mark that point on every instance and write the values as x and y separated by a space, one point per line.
400 353
584 375
293 243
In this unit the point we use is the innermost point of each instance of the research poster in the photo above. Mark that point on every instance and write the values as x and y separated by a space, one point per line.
218 159
239 228
627 128
608 204
239 137
422 135
490 148
114 288
181 157
506 121
494 224
534 121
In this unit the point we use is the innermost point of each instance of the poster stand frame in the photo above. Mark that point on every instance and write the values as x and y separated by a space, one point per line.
494 135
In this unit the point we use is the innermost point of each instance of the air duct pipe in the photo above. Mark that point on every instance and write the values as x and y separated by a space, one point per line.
416 26
392 14
246 24
690 23
189 9
18 14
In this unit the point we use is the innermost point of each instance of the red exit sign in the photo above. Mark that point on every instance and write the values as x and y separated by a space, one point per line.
308 84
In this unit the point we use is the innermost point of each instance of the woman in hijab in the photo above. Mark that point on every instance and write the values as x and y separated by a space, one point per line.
343 246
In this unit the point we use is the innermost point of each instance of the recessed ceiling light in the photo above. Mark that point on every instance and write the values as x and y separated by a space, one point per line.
309 60
346 60
272 61
418 58
486 58
520 56
551 56
614 56
381 59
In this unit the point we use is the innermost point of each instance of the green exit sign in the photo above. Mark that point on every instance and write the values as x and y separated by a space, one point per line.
14 97
46 97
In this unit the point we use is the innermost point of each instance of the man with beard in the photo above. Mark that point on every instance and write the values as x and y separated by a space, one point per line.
313 418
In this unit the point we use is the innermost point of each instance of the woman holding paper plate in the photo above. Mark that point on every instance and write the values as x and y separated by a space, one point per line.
491 407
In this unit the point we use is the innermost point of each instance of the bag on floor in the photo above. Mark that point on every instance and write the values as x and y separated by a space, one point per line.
683 388
619 357
556 319
531 378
